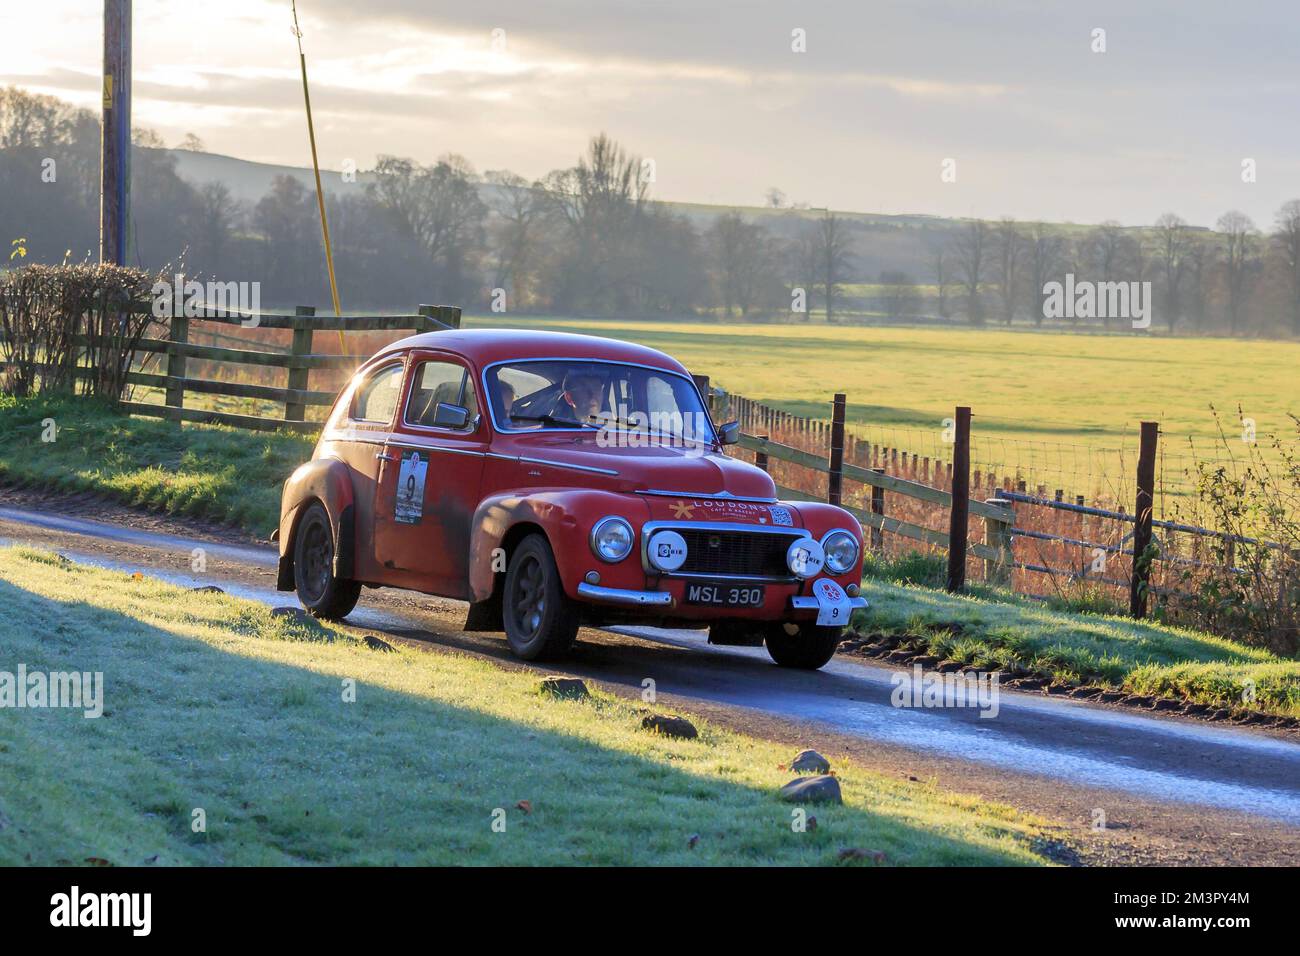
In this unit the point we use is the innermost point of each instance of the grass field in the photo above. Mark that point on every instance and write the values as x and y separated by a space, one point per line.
1030 392
213 704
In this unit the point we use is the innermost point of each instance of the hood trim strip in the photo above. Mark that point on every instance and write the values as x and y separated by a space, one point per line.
713 496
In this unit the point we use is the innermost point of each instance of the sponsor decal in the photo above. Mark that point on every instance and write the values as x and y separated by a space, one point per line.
681 510
410 488
781 516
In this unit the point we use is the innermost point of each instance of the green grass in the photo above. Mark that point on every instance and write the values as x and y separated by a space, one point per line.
998 631
207 471
212 703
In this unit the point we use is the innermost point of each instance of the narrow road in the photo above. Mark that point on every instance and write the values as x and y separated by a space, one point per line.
1171 789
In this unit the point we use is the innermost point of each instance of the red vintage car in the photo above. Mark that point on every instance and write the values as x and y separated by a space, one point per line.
553 480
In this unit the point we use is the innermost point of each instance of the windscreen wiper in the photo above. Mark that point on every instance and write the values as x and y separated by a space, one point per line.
550 421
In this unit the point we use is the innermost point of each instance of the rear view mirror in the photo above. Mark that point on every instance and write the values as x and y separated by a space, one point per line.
729 434
450 416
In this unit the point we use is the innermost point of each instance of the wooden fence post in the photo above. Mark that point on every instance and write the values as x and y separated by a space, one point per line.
298 377
760 457
958 517
179 332
877 508
835 481
997 535
702 383
1140 579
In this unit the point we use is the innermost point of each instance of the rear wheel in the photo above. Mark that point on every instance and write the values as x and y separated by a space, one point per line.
808 648
540 621
321 593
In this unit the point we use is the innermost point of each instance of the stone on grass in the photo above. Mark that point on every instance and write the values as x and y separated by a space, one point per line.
810 761
378 643
570 688
821 789
670 725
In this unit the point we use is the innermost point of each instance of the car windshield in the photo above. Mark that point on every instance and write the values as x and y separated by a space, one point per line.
564 393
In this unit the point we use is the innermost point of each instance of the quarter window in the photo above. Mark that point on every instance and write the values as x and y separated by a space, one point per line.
377 398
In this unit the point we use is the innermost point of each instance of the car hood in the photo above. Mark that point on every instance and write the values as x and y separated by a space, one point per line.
659 468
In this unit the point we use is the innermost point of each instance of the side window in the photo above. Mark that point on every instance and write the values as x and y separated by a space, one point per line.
376 399
435 382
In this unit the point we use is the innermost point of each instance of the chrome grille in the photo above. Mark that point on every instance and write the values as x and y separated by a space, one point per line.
729 553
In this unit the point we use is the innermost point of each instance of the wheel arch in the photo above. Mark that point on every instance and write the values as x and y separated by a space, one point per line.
323 480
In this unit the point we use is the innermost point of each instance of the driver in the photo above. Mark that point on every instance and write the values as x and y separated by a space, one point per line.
580 399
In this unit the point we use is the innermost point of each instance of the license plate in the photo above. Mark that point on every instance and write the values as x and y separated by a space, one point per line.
724 594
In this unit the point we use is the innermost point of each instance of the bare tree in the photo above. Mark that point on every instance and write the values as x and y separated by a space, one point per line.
1009 256
775 199
1239 234
517 207
1198 259
1046 255
941 267
833 256
899 294
1287 241
1172 245
971 254
742 254
1105 249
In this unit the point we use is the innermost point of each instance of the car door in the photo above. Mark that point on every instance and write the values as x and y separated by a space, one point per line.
357 438
428 484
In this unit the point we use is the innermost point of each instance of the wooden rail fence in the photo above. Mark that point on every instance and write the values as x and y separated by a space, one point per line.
298 362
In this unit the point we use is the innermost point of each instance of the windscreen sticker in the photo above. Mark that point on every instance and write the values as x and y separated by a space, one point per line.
410 488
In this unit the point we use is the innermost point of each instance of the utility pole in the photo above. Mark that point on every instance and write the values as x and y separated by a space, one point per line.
115 133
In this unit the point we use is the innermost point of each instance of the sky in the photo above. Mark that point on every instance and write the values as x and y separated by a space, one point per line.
1037 121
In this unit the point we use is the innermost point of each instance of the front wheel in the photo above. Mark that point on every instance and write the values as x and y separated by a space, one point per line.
808 648
540 621
321 593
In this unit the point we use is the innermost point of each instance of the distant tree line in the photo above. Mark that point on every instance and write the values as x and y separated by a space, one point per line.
589 240
1235 278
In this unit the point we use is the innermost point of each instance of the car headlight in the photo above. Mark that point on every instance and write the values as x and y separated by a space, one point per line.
841 549
611 539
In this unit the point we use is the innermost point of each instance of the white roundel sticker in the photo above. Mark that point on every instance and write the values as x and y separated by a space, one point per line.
666 550
805 557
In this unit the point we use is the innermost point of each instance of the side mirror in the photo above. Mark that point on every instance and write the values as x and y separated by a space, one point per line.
729 434
450 416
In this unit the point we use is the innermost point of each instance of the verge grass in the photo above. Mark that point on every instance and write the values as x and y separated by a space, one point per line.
208 471
998 630
214 704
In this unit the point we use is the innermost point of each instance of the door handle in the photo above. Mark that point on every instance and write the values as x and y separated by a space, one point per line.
382 457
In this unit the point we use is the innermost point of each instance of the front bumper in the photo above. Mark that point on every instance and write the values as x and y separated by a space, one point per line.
627 597
624 596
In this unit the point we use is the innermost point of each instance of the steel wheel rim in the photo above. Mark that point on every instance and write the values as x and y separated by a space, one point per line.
528 597
317 555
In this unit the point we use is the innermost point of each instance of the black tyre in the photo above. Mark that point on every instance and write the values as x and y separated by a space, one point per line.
807 649
321 593
540 621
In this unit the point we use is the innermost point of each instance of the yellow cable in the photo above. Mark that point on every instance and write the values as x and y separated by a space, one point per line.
320 193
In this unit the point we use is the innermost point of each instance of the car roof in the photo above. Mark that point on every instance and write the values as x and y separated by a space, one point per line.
486 346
